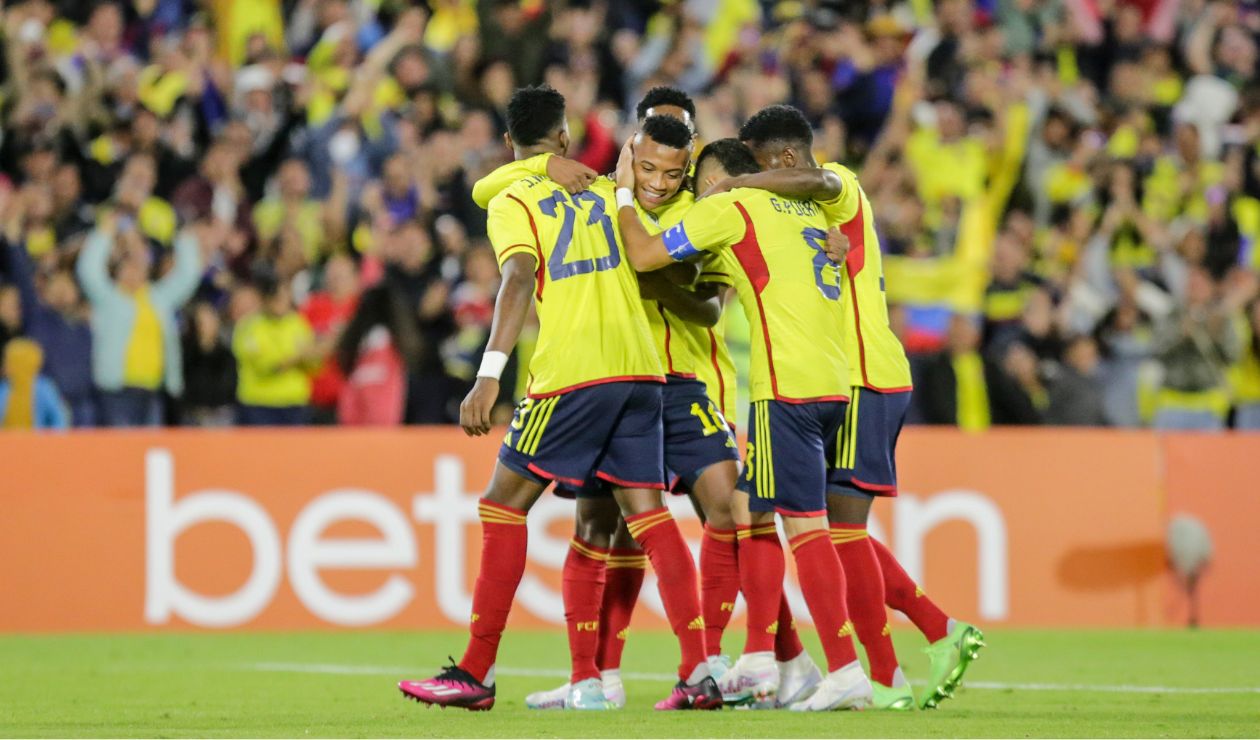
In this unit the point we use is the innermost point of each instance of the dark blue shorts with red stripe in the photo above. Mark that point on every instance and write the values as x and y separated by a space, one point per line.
610 431
866 453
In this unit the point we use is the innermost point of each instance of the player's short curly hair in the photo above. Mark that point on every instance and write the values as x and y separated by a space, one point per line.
732 154
533 113
777 123
667 130
665 95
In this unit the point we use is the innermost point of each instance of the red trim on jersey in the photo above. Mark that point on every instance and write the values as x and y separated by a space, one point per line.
800 514
669 356
877 389
541 271
601 381
552 476
717 368
854 261
748 252
628 484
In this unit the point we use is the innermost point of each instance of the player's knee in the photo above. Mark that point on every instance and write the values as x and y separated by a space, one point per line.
848 509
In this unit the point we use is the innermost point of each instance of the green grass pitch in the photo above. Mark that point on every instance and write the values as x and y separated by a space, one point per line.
1026 683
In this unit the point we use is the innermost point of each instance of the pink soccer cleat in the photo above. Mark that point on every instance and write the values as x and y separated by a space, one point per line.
703 695
453 687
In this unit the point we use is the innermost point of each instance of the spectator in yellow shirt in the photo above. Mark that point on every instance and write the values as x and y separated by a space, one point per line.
275 359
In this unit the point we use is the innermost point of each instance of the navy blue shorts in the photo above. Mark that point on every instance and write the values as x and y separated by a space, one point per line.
696 433
866 454
696 436
791 449
610 431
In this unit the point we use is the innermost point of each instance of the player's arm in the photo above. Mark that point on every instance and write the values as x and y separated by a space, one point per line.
572 175
799 183
516 247
510 309
699 306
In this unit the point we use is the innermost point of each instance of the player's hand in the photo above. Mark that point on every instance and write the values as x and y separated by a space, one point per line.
474 412
572 175
721 186
625 165
837 245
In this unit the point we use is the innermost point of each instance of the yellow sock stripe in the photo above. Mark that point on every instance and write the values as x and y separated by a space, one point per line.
718 536
743 533
584 549
628 561
760 529
640 526
839 536
542 412
805 539
499 516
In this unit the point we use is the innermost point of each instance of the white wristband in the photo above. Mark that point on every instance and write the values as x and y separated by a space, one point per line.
625 198
492 364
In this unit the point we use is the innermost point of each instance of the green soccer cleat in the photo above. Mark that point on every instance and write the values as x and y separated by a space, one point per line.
950 656
893 698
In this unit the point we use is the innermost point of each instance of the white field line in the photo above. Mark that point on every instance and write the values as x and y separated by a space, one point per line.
558 673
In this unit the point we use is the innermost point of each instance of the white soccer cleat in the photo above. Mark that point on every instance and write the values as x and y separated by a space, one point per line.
614 689
847 688
798 679
718 666
553 699
754 679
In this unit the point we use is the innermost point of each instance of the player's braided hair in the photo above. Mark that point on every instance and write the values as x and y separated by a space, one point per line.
777 123
533 113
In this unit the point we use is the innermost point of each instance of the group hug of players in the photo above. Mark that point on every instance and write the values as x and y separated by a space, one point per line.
631 394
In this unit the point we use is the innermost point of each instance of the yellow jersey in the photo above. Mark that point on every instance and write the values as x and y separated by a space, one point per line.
775 250
592 328
685 349
261 343
876 358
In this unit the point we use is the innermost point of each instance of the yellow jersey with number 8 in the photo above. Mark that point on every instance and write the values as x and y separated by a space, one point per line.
775 249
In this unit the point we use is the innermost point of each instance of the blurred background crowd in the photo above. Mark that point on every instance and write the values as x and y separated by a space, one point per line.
220 212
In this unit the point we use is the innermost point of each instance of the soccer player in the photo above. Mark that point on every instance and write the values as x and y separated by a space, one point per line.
593 409
780 137
775 247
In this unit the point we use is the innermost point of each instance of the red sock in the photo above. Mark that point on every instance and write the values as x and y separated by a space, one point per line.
583 589
719 584
761 570
504 540
787 641
904 595
657 533
822 582
865 597
626 568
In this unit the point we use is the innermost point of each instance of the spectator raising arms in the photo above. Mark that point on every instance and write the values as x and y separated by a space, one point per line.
135 333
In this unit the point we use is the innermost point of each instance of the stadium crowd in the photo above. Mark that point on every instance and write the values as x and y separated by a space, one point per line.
259 212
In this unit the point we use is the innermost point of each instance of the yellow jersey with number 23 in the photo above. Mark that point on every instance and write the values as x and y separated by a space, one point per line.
592 328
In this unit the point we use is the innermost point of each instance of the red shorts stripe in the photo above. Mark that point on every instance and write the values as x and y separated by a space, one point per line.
628 484
551 476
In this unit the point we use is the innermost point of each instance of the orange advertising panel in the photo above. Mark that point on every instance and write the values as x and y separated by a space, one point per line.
325 529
